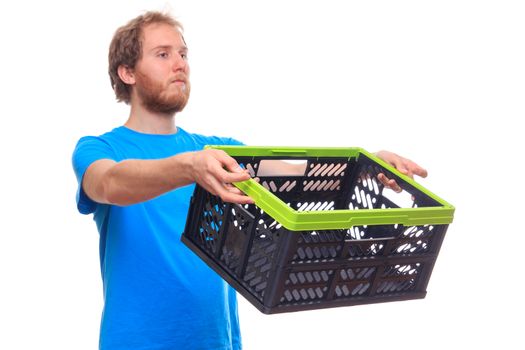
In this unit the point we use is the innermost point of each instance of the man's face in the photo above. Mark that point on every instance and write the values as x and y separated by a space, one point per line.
162 73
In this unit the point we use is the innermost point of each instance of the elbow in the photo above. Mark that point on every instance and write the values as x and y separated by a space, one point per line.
108 189
115 193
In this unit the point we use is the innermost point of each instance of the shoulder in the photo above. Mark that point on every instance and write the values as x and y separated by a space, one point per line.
105 138
108 141
96 147
203 140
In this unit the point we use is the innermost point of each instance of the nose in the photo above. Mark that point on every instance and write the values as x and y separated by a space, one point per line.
180 63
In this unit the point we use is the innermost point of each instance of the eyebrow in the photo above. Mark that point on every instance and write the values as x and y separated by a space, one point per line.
169 47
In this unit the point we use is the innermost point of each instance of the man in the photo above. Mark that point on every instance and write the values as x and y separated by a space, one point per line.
157 293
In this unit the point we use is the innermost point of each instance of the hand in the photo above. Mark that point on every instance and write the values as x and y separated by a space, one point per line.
208 170
404 165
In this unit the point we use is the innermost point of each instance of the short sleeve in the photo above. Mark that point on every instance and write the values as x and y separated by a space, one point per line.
234 142
218 141
88 150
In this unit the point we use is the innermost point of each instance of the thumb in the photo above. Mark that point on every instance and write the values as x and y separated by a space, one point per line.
228 162
232 165
236 172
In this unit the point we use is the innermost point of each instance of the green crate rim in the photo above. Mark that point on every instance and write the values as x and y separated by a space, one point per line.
294 220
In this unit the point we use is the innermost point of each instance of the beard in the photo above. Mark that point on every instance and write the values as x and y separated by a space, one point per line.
157 97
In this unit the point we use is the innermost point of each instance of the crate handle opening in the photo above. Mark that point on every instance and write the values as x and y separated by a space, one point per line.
282 167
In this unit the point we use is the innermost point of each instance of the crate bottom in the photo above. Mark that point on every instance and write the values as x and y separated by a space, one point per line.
343 302
300 306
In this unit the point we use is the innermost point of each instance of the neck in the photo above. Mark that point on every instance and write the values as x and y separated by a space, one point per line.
144 121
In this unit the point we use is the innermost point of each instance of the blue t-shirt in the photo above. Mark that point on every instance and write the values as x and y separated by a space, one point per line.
157 293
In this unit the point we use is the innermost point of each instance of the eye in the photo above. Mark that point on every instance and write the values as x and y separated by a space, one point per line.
184 55
163 54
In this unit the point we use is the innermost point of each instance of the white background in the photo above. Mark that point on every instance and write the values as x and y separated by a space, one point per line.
441 82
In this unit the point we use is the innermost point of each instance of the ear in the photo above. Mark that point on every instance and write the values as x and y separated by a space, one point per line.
126 74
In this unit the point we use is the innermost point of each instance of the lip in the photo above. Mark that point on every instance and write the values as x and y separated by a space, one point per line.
179 80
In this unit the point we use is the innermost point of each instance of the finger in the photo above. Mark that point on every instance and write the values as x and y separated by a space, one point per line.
240 198
233 172
415 169
227 177
399 164
233 189
390 183
405 166
419 171
406 171
234 198
226 195
383 179
394 186
229 163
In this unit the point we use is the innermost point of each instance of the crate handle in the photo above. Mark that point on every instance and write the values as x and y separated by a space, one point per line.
289 152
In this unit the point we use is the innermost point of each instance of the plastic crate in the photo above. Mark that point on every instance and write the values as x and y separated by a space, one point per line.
330 236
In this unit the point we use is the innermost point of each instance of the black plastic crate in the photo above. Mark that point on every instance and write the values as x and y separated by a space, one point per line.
283 270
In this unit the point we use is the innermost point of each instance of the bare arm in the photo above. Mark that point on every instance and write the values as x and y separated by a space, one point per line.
134 181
